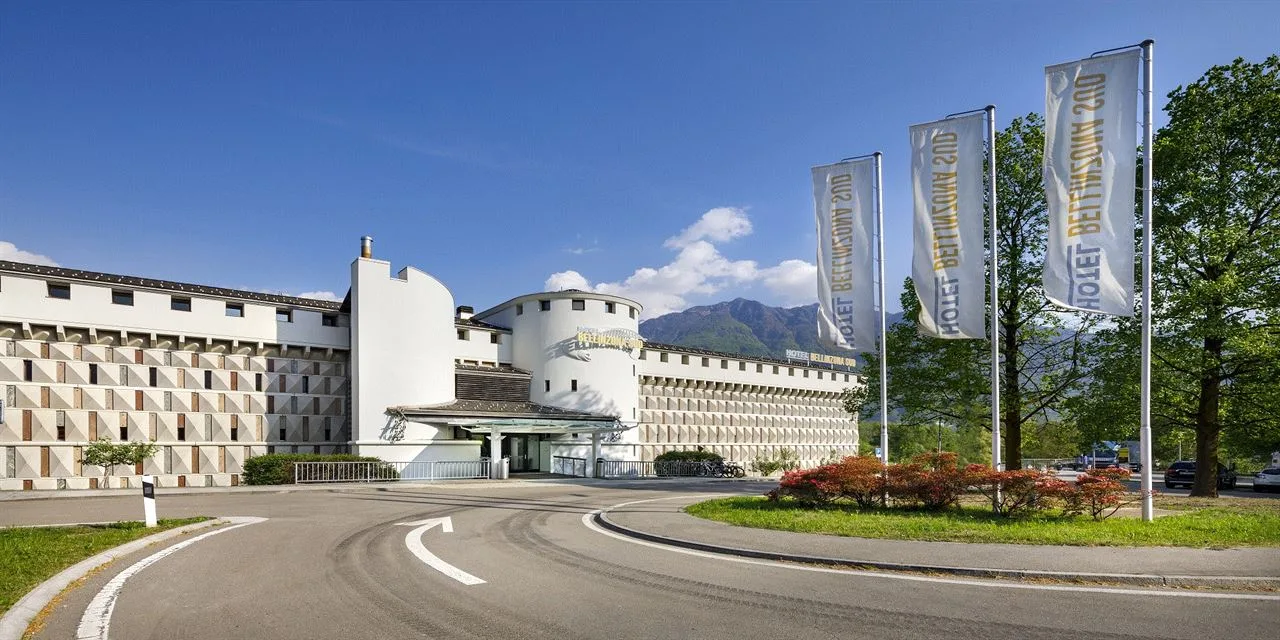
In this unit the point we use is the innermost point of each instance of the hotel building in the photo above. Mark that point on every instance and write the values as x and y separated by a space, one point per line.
396 370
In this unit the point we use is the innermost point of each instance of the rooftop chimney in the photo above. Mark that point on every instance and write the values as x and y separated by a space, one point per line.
366 247
465 313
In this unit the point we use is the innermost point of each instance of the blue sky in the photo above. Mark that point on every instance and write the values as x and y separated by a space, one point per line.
655 150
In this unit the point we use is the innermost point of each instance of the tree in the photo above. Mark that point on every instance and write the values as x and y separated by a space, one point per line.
1217 261
107 454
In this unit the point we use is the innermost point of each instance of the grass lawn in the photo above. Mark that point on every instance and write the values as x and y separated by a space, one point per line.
1233 523
31 555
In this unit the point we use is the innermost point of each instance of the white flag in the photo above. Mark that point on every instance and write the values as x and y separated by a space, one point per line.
843 196
947 267
1090 159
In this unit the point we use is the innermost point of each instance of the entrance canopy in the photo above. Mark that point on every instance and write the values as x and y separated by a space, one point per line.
484 416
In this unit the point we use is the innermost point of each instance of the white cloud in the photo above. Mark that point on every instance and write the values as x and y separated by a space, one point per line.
721 224
10 252
321 295
700 270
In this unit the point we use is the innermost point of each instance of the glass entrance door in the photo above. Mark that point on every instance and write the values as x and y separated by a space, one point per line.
524 452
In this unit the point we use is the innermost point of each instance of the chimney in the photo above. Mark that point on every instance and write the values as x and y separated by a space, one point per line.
465 313
366 247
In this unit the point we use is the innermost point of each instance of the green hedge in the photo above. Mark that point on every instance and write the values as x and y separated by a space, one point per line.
689 456
277 468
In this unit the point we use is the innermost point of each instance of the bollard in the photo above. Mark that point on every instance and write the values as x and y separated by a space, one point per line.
149 500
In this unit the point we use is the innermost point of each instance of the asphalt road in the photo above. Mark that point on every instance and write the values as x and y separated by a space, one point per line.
336 565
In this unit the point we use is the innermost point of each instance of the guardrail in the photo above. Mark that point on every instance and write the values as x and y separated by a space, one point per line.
317 472
668 469
566 466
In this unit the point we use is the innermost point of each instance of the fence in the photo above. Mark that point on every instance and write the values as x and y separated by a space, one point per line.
566 466
667 469
315 472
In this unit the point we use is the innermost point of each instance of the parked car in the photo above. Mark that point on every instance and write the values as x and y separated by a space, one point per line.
1267 480
1183 472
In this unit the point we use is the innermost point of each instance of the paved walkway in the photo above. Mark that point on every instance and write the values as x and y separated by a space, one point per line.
666 519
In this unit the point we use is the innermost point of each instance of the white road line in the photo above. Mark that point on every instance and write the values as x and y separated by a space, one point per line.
95 624
997 584
413 540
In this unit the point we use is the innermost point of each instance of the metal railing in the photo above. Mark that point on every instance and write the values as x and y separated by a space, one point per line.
566 466
668 469
315 472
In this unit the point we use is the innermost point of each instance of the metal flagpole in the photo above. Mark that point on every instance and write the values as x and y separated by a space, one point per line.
1148 47
995 289
884 367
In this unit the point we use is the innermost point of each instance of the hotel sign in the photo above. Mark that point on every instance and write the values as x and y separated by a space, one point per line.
619 339
823 358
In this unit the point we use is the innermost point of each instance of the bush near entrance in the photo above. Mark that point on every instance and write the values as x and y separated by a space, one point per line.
277 468
936 482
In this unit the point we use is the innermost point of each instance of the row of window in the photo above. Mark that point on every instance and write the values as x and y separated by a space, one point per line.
28 372
61 435
124 297
576 305
494 338
663 356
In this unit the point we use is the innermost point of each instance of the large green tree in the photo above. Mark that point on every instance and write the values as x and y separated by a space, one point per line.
1217 261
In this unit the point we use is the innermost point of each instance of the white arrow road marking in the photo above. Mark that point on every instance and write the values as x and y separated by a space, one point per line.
413 540
588 521
95 624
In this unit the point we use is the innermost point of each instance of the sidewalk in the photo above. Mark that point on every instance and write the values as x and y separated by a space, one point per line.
664 521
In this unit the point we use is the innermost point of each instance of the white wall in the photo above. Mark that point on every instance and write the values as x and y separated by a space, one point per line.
26 299
788 376
402 346
479 346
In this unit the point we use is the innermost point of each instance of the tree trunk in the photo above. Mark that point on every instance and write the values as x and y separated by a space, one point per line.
1011 398
1208 427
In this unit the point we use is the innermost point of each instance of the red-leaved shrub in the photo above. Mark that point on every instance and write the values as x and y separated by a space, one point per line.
856 478
931 480
1012 492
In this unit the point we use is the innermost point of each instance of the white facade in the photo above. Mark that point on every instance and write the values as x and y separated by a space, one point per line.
215 376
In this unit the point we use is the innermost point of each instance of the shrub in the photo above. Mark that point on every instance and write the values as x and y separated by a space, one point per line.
1020 490
861 479
780 460
1099 493
277 468
807 486
934 481
676 463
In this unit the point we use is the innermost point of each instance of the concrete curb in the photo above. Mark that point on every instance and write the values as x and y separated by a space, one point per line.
14 622
1141 580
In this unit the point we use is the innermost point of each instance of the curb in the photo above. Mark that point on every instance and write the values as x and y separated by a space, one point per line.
1141 580
14 622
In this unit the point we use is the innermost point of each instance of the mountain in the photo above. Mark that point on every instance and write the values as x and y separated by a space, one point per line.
742 326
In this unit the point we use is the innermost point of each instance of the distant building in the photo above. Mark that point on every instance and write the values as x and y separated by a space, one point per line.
215 376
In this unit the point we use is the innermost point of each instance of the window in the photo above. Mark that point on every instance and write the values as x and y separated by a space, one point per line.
546 385
463 334
846 377
182 433
806 373
579 305
208 379
26 370
124 433
791 371
633 311
179 304
152 376
742 366
706 362
235 310
775 369
59 290
684 359
544 305
759 368
520 309
235 434
820 375
610 307
662 356
329 319
282 436
284 315
122 297
495 339
306 384
573 385
257 382
93 373
724 364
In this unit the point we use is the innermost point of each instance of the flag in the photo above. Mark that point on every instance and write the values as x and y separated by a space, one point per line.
1090 160
947 266
843 196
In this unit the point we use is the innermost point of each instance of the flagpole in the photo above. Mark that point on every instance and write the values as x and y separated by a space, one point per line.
884 367
995 288
1148 47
